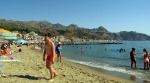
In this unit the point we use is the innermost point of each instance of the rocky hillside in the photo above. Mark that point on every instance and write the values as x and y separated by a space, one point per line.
72 30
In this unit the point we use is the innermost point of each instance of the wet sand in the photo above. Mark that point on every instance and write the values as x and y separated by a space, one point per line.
33 70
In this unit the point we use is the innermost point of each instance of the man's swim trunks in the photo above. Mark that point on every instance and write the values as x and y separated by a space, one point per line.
50 58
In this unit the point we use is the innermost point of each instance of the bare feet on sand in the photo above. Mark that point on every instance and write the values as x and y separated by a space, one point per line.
50 80
55 75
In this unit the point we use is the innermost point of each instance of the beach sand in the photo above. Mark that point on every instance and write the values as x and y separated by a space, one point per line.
33 70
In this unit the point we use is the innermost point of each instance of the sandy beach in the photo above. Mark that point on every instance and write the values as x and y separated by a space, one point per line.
32 70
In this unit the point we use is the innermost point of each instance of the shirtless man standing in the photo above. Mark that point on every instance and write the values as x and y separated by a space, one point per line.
133 57
49 55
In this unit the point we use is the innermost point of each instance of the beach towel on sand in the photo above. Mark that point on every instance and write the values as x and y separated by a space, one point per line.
11 60
8 56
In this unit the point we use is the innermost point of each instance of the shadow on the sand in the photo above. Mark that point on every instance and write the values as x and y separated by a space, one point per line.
28 77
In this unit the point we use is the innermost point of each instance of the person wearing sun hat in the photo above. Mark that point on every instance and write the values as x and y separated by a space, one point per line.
59 43
59 51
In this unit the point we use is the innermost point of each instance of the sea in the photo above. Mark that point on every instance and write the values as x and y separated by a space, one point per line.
108 57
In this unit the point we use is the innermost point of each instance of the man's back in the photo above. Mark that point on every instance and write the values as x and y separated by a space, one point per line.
132 55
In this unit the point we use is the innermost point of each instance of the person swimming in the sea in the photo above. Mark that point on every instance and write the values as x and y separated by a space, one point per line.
82 51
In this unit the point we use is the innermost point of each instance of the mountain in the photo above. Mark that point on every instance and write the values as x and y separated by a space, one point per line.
132 35
72 30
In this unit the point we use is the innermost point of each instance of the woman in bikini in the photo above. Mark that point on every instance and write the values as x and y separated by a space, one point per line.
49 55
146 59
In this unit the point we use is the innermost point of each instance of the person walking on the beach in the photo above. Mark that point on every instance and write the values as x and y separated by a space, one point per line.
49 50
59 51
133 57
146 59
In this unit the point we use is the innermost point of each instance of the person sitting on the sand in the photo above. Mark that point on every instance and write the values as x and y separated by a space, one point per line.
49 55
4 49
9 51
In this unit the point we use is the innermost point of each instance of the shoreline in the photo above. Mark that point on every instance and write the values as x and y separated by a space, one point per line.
119 76
89 43
112 74
109 75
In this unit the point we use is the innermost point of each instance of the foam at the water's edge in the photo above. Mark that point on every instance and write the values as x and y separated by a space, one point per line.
108 67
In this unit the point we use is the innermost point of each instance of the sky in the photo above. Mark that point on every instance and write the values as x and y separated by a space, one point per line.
114 15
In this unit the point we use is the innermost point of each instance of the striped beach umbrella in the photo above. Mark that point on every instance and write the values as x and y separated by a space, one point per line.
5 34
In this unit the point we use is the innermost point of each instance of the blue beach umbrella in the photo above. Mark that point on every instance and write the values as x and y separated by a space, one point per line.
21 41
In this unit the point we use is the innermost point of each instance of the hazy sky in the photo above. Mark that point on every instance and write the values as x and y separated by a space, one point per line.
114 15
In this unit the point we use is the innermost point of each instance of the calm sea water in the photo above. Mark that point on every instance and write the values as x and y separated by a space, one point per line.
108 57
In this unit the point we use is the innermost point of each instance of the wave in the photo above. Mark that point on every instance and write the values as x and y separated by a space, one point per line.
122 69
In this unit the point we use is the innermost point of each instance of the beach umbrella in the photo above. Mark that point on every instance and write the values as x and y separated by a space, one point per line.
7 35
11 37
5 31
21 41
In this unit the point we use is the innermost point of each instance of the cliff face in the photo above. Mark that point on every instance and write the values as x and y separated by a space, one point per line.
71 31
